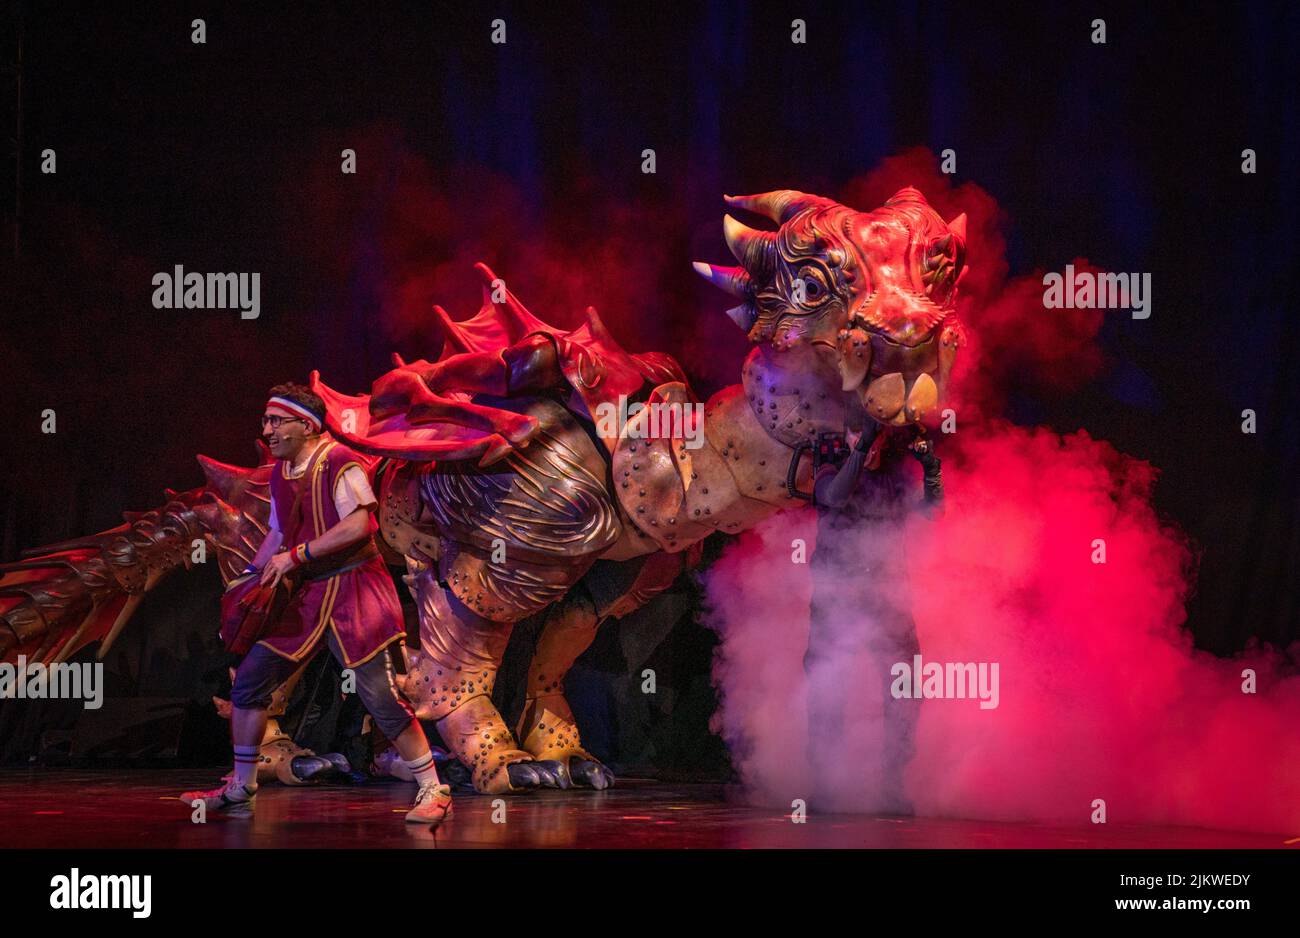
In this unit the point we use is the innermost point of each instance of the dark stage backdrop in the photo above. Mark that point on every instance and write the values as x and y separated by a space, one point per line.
225 156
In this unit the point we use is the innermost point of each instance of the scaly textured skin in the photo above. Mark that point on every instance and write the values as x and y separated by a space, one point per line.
501 501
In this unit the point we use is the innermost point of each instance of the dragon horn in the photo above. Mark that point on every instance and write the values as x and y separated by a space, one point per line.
780 205
744 316
732 279
756 250
958 226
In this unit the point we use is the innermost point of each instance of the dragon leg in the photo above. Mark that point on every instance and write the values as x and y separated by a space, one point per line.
609 590
547 726
450 680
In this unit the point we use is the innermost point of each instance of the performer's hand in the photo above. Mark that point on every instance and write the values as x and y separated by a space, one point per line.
276 568
923 449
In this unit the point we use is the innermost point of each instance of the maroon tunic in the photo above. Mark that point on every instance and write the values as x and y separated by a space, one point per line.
359 604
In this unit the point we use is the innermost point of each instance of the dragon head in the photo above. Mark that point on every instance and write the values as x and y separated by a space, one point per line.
868 295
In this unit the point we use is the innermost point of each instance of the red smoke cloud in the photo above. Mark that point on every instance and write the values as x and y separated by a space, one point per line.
1101 694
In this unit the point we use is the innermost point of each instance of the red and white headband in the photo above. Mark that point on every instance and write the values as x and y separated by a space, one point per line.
294 409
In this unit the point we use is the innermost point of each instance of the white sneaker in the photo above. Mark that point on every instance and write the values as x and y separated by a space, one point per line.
432 805
231 798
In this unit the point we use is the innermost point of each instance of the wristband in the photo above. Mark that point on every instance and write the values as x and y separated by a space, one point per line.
299 554
249 569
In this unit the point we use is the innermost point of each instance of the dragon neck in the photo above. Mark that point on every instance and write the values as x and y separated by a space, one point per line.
753 443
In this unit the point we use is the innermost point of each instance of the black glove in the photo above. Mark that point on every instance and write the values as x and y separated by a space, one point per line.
923 450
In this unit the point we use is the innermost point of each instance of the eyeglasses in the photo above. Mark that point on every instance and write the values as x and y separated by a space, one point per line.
275 420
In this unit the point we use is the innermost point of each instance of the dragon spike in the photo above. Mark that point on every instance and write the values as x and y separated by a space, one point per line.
213 510
485 272
780 205
958 226
77 543
337 406
907 194
513 314
756 250
732 279
222 477
124 616
743 315
599 331
497 447
398 360
454 341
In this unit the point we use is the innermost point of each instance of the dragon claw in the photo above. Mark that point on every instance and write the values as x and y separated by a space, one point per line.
524 776
590 774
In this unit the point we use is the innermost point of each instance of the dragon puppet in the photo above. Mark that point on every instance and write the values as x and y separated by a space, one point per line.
503 496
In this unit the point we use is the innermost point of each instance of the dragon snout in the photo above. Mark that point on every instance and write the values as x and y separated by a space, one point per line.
900 388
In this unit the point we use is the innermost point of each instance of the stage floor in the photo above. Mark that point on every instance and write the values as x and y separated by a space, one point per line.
132 808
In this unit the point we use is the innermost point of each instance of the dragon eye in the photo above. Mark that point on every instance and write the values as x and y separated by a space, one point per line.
814 289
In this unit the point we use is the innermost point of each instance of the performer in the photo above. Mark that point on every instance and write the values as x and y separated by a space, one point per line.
321 504
859 596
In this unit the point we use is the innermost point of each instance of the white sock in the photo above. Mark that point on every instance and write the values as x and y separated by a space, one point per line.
423 769
246 766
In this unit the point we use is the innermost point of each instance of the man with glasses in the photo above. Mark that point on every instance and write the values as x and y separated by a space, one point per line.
321 514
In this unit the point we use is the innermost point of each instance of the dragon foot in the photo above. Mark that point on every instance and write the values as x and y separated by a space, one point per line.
554 738
479 738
